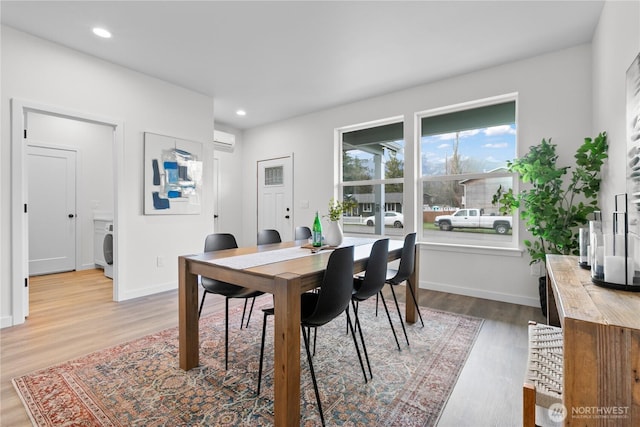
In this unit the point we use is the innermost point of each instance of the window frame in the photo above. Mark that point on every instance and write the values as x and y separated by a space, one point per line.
464 239
341 183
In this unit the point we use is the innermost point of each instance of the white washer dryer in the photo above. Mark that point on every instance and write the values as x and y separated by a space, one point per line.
103 245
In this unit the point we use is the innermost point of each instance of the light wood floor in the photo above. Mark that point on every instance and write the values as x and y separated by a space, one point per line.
72 314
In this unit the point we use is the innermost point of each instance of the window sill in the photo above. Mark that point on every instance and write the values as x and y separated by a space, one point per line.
471 249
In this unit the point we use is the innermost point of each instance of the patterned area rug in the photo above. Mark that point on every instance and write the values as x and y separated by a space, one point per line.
140 384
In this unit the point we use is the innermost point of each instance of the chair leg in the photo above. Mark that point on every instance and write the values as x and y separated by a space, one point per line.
355 343
415 302
201 303
384 303
244 310
253 301
226 333
393 292
358 327
313 374
376 305
355 312
315 339
264 330
528 405
346 325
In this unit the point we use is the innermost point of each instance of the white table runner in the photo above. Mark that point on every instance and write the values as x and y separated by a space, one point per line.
240 262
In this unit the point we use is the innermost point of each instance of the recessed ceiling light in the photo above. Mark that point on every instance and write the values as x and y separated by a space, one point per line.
241 113
101 32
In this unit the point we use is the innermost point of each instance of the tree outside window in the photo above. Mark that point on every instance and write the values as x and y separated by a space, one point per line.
463 156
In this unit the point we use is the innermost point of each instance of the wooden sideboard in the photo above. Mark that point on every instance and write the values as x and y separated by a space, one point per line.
601 330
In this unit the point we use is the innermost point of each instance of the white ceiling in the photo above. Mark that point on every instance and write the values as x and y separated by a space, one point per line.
283 59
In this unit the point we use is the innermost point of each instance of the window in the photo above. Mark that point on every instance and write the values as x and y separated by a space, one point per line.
463 155
372 179
273 176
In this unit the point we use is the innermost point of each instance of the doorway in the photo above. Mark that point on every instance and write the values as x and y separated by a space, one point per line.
275 196
24 115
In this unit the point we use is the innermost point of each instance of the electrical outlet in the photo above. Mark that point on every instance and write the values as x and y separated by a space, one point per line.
160 261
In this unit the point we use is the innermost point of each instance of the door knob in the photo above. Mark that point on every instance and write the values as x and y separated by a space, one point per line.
71 215
286 216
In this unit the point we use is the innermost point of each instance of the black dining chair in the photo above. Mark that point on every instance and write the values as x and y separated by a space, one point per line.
402 274
216 242
302 233
268 236
370 284
318 309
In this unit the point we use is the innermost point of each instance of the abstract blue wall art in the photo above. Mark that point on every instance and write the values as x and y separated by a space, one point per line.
173 175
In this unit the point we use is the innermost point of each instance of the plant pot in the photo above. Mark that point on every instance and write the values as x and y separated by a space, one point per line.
542 290
333 236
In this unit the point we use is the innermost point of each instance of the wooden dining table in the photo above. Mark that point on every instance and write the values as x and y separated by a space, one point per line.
284 270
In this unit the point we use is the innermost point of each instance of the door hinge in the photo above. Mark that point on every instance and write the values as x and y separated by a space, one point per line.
25 208
25 134
26 282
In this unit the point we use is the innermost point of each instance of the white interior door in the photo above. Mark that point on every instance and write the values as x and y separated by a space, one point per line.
51 176
216 193
275 196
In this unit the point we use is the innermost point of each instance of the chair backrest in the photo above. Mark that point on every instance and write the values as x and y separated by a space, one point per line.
302 233
268 236
337 286
376 272
219 241
407 259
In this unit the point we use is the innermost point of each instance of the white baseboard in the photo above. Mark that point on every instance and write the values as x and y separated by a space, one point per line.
458 290
137 293
6 321
481 293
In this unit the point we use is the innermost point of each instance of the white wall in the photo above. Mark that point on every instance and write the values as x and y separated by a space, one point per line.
615 45
554 100
94 145
229 199
310 139
46 73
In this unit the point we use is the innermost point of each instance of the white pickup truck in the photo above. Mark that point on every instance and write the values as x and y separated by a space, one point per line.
473 218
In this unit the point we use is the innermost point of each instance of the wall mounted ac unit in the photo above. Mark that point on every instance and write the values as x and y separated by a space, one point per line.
223 141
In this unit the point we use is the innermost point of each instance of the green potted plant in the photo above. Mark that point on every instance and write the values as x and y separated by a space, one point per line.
552 207
336 209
